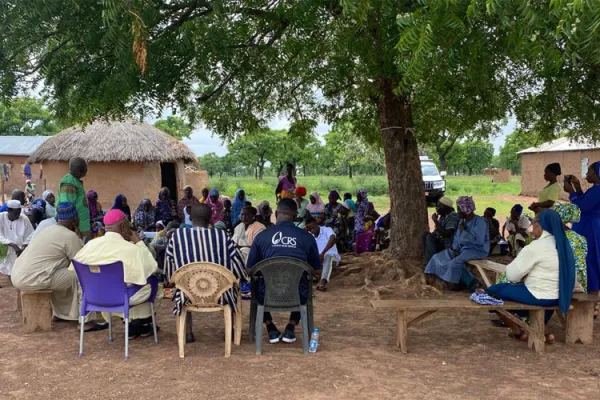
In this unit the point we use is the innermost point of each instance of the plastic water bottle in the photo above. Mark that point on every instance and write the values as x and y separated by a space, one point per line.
314 341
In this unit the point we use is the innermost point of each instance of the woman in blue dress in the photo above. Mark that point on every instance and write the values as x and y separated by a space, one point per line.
589 225
471 242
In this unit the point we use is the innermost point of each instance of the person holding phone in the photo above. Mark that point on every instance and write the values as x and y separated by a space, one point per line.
589 225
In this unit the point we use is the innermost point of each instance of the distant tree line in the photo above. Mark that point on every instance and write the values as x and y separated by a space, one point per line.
267 151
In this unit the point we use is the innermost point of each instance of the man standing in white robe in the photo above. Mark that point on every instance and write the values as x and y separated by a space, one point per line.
15 230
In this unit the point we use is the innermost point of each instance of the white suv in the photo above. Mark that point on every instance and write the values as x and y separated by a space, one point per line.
433 180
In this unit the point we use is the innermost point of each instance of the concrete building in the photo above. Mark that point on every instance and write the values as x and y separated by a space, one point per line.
14 152
127 157
572 156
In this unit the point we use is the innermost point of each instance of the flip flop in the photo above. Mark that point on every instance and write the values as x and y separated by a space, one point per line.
97 327
519 336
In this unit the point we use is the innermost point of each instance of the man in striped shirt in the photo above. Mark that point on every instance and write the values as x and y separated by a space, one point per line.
201 244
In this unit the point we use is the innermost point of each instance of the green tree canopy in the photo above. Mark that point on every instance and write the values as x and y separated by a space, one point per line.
477 156
175 126
518 140
212 163
254 150
397 70
25 116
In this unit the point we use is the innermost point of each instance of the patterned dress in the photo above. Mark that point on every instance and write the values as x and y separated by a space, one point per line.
579 248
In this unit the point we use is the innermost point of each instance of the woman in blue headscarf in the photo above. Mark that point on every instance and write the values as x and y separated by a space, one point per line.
589 225
121 204
236 208
543 274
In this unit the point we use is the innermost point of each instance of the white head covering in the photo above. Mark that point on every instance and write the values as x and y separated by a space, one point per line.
14 204
446 201
46 194
188 220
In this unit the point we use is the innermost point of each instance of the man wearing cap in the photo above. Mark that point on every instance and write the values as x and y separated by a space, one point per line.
70 190
44 265
445 220
16 194
15 230
284 239
121 243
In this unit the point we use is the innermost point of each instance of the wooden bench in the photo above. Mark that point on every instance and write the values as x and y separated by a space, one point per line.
535 328
579 323
484 267
37 310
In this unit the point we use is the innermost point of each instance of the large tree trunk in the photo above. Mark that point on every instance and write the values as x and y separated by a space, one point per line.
443 162
407 193
261 171
350 171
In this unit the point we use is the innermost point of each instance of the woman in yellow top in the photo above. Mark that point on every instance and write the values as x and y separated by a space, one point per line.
548 195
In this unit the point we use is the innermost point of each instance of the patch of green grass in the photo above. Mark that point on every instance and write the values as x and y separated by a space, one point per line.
484 192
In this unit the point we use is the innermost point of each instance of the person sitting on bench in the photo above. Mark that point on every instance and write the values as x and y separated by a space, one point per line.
543 274
471 242
445 220
44 265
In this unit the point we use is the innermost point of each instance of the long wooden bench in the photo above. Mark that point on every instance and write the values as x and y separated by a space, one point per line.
579 322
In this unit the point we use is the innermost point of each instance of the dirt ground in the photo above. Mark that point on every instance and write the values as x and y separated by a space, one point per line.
456 355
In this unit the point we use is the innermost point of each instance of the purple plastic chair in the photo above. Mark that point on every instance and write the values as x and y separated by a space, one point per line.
364 242
104 290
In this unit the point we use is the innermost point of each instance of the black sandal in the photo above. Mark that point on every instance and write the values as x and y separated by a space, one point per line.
97 327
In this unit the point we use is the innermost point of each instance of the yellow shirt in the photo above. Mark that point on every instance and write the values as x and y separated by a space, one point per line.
549 193
138 263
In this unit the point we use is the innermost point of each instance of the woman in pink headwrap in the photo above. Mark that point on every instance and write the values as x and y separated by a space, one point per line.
316 208
471 242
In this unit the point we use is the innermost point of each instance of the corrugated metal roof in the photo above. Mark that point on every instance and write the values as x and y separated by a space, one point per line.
20 145
562 144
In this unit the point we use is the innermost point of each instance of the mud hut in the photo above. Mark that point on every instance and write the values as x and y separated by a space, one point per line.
129 157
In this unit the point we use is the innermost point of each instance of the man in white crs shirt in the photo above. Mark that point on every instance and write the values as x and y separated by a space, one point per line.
328 251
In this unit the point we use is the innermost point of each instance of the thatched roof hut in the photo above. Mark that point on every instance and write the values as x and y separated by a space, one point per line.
129 157
124 141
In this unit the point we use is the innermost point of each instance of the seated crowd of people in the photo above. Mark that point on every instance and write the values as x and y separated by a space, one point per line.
38 240
555 251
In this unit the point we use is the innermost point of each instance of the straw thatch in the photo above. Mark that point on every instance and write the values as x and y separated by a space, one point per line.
122 141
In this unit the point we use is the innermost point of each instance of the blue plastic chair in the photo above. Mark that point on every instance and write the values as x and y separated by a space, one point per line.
105 290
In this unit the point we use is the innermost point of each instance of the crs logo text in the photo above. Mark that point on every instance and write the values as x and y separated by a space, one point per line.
280 240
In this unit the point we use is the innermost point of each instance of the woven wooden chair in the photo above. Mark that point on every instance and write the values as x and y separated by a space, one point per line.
203 284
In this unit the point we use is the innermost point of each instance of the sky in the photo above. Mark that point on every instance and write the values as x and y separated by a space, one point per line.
202 141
